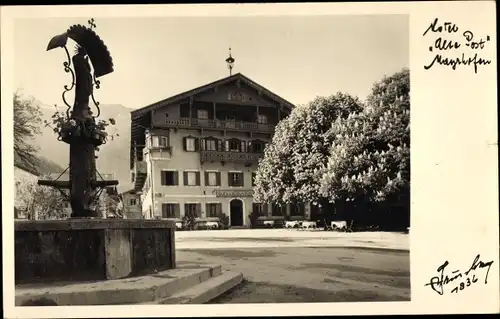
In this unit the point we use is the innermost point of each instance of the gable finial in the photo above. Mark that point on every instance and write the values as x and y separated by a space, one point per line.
230 63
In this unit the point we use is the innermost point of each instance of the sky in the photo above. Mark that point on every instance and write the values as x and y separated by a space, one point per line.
296 57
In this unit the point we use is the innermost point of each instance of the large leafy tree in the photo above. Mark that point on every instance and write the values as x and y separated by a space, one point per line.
39 202
274 175
369 157
291 168
27 121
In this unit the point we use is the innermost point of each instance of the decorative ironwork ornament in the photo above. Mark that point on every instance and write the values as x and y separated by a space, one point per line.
81 131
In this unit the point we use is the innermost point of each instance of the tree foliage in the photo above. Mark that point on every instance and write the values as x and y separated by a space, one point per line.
290 170
40 202
27 120
338 150
369 157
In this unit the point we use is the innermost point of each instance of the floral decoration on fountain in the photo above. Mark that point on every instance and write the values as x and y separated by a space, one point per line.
68 129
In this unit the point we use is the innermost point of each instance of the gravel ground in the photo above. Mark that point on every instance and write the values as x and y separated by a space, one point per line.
309 274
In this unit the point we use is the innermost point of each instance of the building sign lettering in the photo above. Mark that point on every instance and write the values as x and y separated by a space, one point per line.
234 193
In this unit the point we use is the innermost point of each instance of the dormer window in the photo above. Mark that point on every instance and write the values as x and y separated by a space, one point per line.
262 119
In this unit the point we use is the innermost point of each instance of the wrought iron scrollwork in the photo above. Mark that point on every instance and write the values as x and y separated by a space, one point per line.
68 69
97 86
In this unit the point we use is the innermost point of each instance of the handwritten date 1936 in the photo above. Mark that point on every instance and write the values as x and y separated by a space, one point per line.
458 280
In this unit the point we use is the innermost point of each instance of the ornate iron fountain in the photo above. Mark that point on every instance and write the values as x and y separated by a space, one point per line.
81 131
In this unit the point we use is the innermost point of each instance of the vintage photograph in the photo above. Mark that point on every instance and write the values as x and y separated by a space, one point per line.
211 160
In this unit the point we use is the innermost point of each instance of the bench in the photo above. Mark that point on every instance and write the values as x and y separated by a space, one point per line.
308 225
338 225
293 224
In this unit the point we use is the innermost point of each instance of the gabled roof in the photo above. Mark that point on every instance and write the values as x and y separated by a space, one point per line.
210 86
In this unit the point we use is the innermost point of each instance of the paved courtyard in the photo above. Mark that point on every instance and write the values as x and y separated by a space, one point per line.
304 266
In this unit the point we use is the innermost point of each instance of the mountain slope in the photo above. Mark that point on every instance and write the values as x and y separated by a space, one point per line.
113 157
42 167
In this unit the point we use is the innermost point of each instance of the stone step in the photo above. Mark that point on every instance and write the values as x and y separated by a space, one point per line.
134 290
205 291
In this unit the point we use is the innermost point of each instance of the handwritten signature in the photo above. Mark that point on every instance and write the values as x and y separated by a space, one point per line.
456 279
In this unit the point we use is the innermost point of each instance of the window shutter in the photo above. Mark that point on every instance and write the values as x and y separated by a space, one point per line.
184 143
229 179
219 145
227 146
219 208
243 146
196 144
242 179
176 178
164 210
198 179
218 178
177 208
198 210
164 178
206 179
185 178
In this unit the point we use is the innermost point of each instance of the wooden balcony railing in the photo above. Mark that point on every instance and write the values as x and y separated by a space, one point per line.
230 157
140 167
220 124
140 173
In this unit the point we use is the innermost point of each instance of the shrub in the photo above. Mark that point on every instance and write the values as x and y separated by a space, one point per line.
253 217
223 221
189 221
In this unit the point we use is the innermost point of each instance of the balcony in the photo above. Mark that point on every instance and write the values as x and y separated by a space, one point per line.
220 125
140 174
230 157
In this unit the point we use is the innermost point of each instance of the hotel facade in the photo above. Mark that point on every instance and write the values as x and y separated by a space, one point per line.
197 152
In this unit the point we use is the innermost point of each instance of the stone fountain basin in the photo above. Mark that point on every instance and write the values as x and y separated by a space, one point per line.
92 249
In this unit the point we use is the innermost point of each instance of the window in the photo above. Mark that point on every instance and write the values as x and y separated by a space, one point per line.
213 209
253 178
170 210
192 210
233 145
202 114
297 209
159 141
210 144
259 209
257 146
190 144
262 119
235 179
278 211
192 178
212 178
133 202
169 178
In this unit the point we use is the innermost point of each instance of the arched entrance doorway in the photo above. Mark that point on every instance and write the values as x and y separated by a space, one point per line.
236 212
